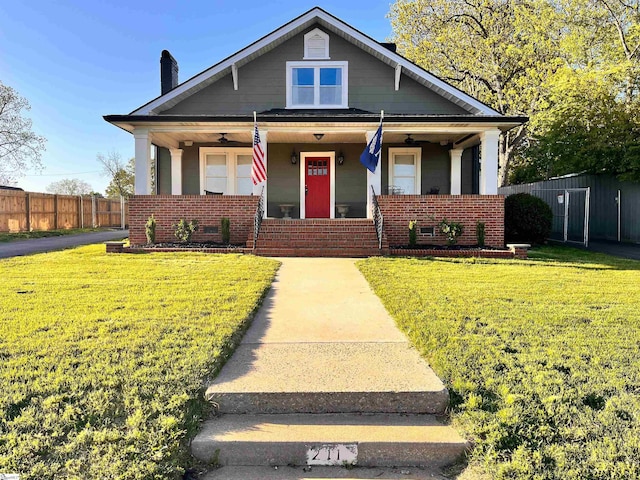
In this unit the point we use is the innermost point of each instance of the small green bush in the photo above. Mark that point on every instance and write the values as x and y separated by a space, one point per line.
480 233
527 219
150 229
184 231
225 230
452 230
413 233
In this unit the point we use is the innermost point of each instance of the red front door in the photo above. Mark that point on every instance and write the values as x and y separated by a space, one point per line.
317 187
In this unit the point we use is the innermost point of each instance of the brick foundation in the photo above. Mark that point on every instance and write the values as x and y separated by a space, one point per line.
207 209
429 210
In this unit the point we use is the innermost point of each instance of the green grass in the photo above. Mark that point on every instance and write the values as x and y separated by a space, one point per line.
103 357
542 357
10 237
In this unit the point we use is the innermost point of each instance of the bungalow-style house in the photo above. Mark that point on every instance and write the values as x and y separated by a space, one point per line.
318 87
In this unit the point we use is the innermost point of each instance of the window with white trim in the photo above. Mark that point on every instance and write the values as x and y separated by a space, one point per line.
404 170
226 170
317 85
316 45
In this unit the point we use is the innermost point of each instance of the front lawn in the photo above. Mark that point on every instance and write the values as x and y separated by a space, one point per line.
103 357
542 357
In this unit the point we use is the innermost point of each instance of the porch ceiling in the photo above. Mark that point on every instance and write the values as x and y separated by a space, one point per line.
176 139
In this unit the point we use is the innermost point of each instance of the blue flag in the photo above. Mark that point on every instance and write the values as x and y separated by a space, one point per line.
371 155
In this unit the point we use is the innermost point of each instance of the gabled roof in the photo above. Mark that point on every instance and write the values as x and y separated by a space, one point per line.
314 16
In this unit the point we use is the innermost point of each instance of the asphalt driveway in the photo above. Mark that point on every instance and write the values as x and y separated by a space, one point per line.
624 250
47 244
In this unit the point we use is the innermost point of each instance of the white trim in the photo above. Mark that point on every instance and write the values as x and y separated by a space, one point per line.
142 182
231 154
332 181
489 162
344 66
325 36
398 73
456 171
176 171
417 153
312 16
234 75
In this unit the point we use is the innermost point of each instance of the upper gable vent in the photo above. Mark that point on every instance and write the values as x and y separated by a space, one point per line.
316 45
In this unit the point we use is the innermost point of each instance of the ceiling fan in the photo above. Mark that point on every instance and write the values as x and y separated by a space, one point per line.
224 140
412 141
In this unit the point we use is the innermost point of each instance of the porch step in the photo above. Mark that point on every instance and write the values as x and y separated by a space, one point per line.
318 238
344 377
311 473
380 440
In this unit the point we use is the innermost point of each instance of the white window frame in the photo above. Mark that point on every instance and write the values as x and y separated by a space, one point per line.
417 153
231 155
313 33
344 65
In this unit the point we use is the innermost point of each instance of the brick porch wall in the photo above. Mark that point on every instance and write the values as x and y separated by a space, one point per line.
207 209
398 210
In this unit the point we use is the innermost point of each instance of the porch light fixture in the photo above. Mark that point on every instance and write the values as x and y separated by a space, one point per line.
340 158
294 157
318 136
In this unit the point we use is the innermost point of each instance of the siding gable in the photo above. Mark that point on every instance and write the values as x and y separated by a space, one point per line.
262 84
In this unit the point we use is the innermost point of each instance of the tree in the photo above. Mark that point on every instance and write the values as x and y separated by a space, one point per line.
501 52
121 174
20 147
70 186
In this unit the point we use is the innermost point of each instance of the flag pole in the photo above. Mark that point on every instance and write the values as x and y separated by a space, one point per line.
381 114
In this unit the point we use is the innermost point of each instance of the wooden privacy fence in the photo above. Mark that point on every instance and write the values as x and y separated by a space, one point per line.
28 211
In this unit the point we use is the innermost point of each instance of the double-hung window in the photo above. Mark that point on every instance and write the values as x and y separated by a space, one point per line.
317 84
404 170
226 170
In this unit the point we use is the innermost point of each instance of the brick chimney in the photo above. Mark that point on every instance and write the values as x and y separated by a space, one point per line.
168 72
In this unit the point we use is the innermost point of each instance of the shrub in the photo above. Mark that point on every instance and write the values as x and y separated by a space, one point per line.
150 229
452 230
527 219
413 233
480 233
225 230
184 231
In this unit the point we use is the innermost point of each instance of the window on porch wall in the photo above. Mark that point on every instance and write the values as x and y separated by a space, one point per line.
404 170
226 171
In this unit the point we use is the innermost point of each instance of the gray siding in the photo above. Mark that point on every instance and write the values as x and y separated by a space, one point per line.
435 168
164 171
262 85
467 172
603 212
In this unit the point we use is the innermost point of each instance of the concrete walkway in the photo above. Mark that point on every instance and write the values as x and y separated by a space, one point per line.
324 371
47 244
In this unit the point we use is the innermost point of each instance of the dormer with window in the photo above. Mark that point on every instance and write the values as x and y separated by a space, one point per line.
317 82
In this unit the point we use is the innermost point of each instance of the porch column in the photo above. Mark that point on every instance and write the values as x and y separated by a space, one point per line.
257 189
373 179
176 171
142 185
456 171
489 162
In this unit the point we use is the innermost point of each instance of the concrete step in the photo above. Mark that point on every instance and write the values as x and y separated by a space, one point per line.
331 377
311 473
380 440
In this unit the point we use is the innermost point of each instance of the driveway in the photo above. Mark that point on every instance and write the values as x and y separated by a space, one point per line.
624 250
47 244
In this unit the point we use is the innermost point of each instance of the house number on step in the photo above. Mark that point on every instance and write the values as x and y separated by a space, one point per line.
333 454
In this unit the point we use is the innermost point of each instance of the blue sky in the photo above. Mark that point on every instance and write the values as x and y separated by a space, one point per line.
77 60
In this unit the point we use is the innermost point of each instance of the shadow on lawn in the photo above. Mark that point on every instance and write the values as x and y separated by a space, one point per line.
556 256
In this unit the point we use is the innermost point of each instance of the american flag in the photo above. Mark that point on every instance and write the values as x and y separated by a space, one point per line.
258 172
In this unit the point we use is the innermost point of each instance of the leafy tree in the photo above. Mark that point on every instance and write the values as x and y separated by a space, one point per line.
501 52
70 186
20 147
121 174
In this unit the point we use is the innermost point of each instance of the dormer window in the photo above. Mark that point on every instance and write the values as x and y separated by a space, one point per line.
316 45
317 85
